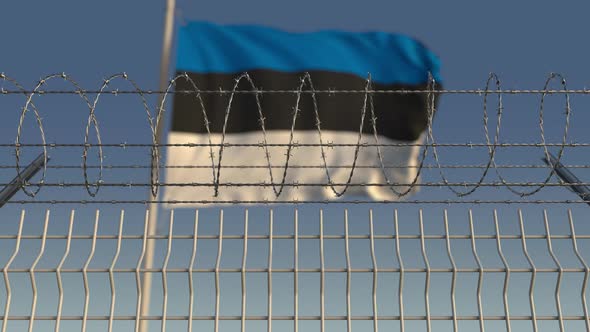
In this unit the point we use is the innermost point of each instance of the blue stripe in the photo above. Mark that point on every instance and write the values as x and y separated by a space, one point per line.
390 58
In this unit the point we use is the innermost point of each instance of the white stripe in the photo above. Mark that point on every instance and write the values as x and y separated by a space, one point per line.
301 156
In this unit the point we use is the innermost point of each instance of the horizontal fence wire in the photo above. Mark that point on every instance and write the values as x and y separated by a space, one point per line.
95 174
263 273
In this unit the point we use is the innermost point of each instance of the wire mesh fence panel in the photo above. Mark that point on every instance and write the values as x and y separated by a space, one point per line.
334 270
477 233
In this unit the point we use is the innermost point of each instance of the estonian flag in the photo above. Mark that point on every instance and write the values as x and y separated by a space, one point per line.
214 58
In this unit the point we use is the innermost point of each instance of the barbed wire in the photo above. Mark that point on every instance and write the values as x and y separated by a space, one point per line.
429 166
298 145
306 184
306 87
319 91
295 202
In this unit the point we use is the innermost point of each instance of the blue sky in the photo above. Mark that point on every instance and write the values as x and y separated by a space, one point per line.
91 41
521 41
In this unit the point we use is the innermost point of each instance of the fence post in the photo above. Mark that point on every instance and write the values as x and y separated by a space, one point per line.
153 207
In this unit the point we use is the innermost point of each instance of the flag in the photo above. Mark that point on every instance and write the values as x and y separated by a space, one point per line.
288 144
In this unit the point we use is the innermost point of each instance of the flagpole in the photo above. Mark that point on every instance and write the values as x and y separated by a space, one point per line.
153 207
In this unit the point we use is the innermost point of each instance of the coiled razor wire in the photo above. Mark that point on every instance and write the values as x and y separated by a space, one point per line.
305 88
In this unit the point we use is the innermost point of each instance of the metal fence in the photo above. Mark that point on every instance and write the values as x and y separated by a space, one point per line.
295 277
492 241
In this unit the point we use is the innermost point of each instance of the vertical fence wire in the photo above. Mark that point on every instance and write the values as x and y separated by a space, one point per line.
60 286
112 274
269 274
506 274
217 268
85 272
559 274
401 273
586 269
165 272
296 271
322 275
32 271
375 271
427 280
243 273
348 272
5 271
480 272
533 274
454 273
191 267
138 283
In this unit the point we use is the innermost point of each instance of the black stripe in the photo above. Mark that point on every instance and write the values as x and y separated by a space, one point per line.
399 116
